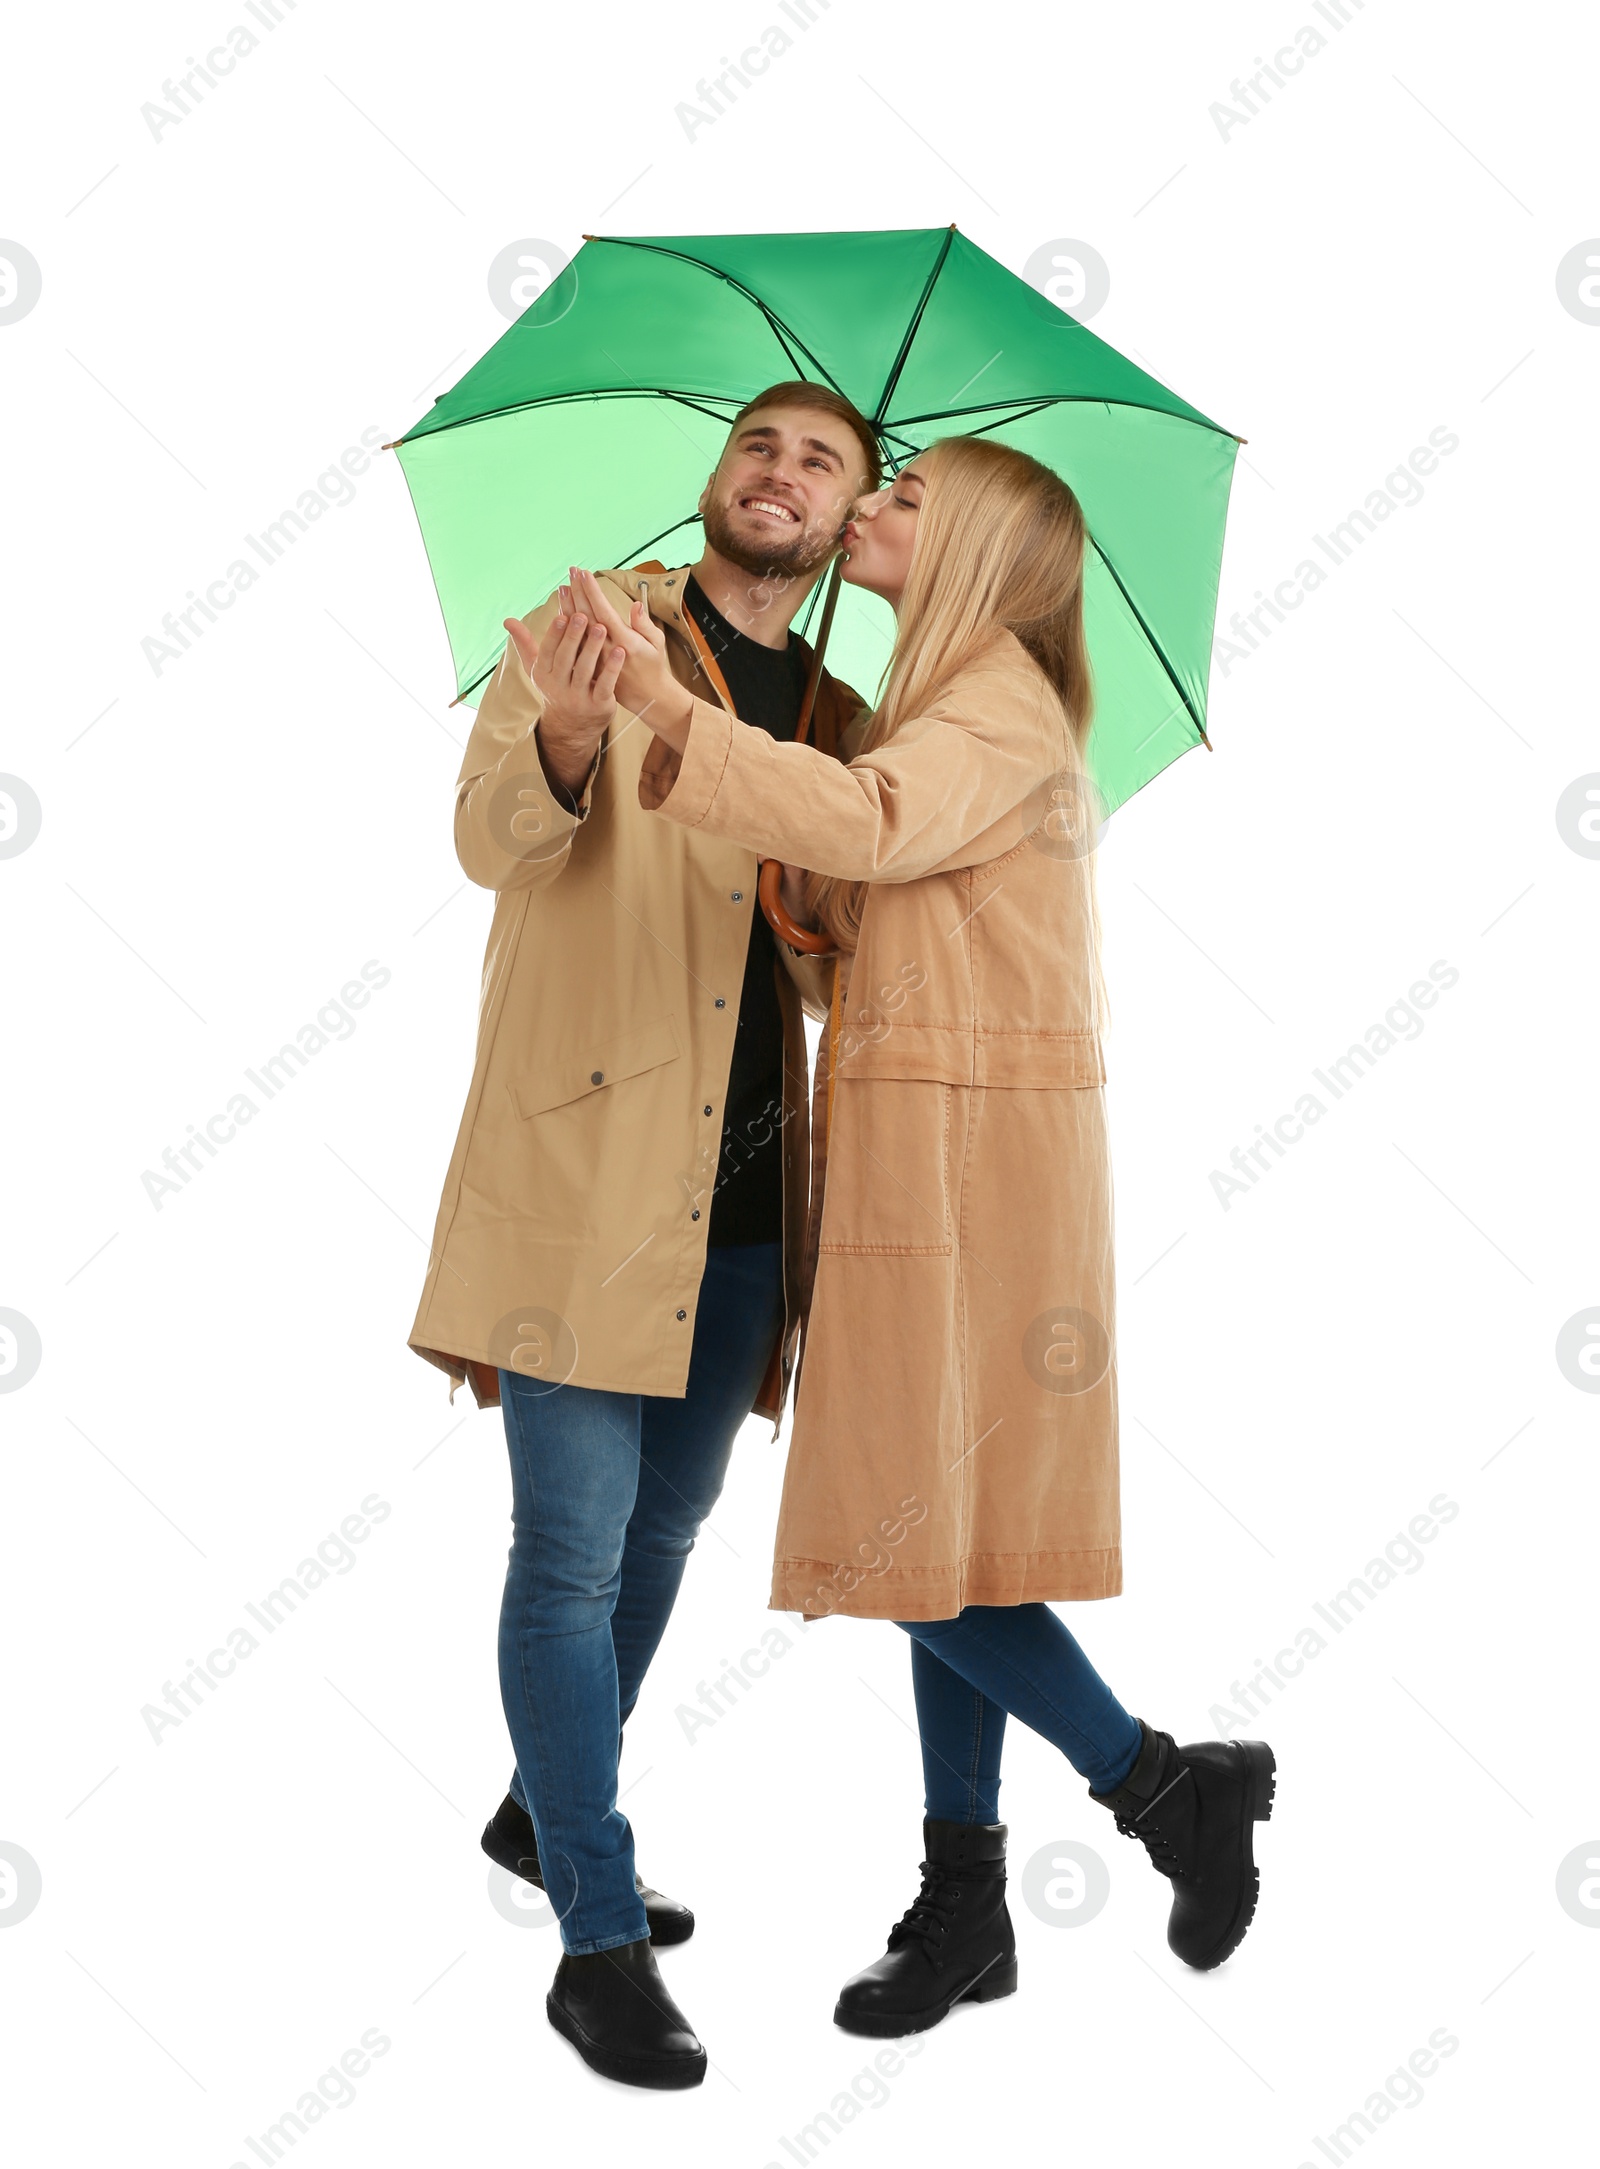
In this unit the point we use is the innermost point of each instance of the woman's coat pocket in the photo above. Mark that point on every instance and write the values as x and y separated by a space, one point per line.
889 1180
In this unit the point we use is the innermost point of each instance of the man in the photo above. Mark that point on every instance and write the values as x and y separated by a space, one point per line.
619 1247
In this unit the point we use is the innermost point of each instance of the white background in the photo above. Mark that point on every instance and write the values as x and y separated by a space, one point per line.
224 309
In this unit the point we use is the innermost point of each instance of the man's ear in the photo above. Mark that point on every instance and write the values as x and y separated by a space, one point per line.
711 483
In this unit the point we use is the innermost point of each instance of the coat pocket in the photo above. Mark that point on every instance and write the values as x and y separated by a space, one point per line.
582 1067
887 1190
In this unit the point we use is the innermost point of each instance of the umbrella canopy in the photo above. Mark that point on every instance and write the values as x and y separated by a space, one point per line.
585 435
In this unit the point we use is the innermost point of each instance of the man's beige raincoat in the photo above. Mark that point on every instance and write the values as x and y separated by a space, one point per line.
571 1232
955 1425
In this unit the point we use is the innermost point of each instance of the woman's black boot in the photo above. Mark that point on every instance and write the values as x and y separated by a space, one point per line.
955 1944
509 1838
1192 1807
614 2008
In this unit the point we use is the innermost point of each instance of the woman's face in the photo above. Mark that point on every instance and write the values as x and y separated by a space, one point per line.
879 538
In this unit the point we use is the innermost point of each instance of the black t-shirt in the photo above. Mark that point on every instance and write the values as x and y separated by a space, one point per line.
768 685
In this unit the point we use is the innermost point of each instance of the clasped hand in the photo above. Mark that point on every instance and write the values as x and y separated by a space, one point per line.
592 657
608 658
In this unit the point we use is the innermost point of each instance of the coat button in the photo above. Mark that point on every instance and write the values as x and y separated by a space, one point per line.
695 1214
738 896
597 1076
708 1110
721 1004
683 1314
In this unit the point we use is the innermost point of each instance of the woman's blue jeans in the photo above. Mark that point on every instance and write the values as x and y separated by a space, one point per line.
967 1672
608 1493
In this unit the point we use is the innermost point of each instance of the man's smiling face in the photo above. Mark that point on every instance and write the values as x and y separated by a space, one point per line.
783 489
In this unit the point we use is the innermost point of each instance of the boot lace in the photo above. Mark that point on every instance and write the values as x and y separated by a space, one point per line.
1151 1835
930 1912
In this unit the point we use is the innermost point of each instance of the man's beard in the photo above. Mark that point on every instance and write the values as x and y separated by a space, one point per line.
795 556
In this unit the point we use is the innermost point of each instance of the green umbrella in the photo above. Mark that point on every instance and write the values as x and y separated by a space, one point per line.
585 435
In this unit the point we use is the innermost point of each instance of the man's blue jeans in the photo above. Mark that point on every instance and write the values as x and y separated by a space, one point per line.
608 1493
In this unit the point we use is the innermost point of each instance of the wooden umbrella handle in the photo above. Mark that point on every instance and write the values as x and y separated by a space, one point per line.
787 929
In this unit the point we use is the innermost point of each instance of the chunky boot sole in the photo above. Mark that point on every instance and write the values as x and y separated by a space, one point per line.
1261 1783
661 2072
988 1986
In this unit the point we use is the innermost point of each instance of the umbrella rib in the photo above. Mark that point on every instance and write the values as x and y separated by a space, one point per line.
778 329
1003 410
1016 414
1011 413
633 556
556 399
781 331
487 671
1065 399
1150 638
899 362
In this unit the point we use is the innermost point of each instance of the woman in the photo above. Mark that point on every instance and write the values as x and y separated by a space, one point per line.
953 1465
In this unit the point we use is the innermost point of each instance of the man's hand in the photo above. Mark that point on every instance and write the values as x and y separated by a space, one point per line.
575 668
645 684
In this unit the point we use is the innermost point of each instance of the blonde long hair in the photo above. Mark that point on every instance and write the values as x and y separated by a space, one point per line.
1000 546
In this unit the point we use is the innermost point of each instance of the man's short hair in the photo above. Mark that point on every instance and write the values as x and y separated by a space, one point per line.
821 399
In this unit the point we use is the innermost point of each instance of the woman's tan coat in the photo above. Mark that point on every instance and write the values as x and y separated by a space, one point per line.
955 1424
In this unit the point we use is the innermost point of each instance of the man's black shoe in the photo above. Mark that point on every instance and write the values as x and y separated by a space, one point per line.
614 2008
509 1839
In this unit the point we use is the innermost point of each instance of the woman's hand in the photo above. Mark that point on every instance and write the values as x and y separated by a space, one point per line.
645 682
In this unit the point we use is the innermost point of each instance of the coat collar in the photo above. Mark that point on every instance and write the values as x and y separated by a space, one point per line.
663 591
663 587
